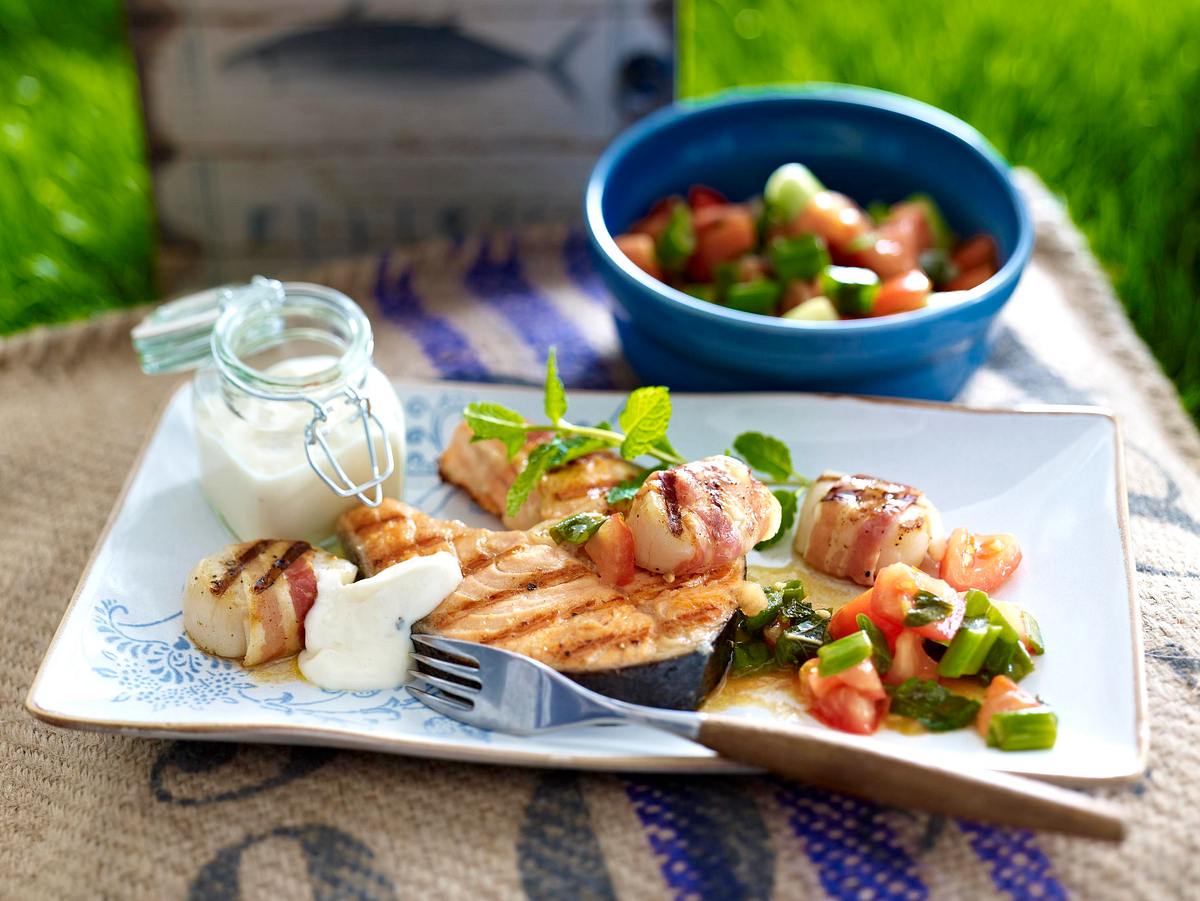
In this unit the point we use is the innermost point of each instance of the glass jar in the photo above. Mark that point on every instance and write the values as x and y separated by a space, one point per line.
294 424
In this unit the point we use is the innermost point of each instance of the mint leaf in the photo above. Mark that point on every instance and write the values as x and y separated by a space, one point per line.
765 453
543 457
644 420
495 421
927 608
787 501
556 394
628 489
927 702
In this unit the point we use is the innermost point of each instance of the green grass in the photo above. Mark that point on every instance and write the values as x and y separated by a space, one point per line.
75 221
1102 100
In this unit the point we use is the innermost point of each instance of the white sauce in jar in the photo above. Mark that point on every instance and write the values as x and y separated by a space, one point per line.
254 469
357 636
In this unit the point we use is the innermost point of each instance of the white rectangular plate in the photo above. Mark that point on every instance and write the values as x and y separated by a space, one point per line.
1052 476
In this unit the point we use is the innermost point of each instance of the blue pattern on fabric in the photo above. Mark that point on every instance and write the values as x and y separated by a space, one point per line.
447 348
579 265
558 853
192 757
708 835
1016 865
503 285
852 846
338 865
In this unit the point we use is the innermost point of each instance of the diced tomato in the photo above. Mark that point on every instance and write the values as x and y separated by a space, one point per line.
723 233
639 247
701 196
835 217
1003 695
845 619
902 293
896 593
979 561
655 221
976 262
973 252
909 660
852 701
611 549
969 278
899 242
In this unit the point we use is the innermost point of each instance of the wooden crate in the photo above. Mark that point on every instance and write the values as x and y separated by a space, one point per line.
289 131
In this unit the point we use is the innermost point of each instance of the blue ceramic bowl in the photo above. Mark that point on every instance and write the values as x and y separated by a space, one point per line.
868 144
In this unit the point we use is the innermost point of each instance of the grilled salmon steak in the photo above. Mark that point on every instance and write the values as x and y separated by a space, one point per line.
650 641
249 600
483 470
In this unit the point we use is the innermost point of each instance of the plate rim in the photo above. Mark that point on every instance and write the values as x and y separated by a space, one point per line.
418 746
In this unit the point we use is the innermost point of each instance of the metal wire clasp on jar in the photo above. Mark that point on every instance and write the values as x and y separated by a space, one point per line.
294 423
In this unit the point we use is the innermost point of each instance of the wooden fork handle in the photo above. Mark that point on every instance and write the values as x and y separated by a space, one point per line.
880 773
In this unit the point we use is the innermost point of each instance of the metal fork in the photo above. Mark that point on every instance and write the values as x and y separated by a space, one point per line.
506 692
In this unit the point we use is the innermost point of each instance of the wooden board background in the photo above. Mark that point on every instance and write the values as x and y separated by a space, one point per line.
289 131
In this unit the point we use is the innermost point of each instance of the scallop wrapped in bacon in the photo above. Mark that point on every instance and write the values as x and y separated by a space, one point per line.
249 600
700 516
852 526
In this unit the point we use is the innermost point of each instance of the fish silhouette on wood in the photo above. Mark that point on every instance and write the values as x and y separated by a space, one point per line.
417 52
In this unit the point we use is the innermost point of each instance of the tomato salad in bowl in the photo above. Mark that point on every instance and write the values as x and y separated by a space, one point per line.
804 252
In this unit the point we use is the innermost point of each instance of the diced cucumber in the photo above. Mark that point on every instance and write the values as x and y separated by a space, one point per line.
815 309
678 239
852 289
758 296
798 259
789 190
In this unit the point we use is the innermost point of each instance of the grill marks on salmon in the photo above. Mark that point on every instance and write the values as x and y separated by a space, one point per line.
483 470
249 600
523 592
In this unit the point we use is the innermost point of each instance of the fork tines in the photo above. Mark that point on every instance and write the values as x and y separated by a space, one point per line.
446 677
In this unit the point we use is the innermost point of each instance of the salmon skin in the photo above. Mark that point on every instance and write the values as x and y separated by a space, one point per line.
650 641
483 470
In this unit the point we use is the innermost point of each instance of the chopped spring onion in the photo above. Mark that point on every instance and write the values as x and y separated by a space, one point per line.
1032 729
851 289
1008 659
802 258
750 657
789 190
792 593
758 296
844 653
978 603
927 608
678 239
969 648
1033 633
577 528
881 655
927 702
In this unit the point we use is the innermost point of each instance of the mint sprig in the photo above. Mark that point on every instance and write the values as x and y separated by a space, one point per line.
642 432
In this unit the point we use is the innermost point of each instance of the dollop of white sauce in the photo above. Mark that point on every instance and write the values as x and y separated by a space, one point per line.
357 636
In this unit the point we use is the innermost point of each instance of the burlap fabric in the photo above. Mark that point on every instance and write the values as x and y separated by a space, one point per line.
90 815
